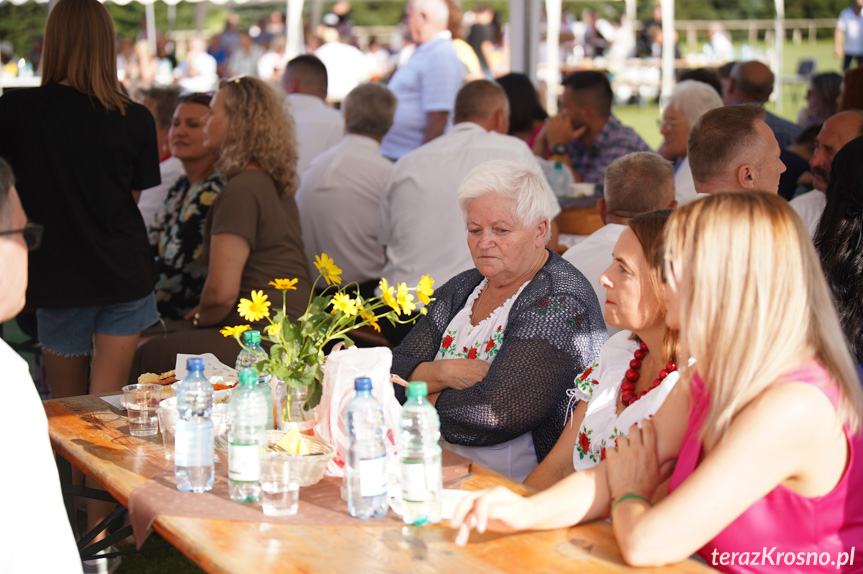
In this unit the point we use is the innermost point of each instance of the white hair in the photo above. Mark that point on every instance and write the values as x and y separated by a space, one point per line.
435 10
533 197
692 99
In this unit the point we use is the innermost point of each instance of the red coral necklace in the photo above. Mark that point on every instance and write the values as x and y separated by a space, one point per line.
627 387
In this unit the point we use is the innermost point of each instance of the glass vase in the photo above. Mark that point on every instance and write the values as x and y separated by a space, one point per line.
289 401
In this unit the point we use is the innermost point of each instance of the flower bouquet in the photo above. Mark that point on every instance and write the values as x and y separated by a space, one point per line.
297 352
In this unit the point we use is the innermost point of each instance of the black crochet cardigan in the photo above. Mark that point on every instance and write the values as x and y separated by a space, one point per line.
555 329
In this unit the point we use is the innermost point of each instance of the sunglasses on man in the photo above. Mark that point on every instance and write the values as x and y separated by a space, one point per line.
32 234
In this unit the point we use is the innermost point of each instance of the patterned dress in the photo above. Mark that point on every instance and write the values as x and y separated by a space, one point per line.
178 238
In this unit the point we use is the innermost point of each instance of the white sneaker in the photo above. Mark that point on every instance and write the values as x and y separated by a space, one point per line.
102 565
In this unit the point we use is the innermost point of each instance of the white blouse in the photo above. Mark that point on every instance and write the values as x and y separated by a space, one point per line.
463 340
599 384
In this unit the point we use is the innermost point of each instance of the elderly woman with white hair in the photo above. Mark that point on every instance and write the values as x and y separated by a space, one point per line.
501 344
689 100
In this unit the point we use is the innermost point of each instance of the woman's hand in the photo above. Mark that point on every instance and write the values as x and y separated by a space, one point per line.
633 466
191 314
450 374
498 509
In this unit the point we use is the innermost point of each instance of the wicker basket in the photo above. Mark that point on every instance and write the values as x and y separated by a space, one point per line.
309 469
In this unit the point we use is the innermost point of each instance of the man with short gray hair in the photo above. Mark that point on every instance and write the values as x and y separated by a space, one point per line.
340 192
26 427
427 84
635 184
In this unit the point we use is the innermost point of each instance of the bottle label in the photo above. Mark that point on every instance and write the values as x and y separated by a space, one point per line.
244 462
373 476
194 443
414 487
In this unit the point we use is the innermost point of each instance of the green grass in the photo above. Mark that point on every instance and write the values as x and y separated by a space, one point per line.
642 118
168 560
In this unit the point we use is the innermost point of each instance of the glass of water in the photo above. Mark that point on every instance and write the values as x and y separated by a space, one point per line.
280 494
141 401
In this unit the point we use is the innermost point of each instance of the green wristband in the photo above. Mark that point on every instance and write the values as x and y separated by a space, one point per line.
626 496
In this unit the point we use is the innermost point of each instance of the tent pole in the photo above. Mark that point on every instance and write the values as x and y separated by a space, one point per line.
552 57
778 51
667 48
150 11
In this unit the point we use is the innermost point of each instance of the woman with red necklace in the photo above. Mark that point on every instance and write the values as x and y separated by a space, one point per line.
635 371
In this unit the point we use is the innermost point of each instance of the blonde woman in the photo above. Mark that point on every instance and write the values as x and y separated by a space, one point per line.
770 456
252 231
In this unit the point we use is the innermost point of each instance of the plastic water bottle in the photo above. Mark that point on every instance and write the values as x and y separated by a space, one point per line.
420 458
559 182
247 439
366 468
193 441
249 356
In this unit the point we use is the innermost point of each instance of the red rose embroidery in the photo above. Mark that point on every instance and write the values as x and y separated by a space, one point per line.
584 442
602 454
489 346
499 327
447 341
587 372
472 353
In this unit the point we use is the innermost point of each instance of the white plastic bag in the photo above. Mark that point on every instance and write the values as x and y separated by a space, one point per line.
342 368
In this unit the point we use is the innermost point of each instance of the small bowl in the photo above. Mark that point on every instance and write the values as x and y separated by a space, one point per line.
218 396
306 470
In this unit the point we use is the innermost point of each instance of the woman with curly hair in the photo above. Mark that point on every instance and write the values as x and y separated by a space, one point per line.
839 242
252 231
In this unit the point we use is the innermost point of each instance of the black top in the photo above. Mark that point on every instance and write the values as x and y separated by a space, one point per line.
480 33
554 331
76 165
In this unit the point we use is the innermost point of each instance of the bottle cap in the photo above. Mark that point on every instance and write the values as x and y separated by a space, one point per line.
417 389
251 337
195 364
363 384
248 376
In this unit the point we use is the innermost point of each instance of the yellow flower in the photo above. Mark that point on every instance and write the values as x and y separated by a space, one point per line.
343 302
285 284
389 296
234 331
327 268
373 321
256 309
405 299
207 198
424 289
272 329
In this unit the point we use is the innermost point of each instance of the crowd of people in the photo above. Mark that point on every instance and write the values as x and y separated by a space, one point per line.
688 369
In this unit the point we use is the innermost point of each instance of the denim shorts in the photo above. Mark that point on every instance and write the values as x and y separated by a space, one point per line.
69 331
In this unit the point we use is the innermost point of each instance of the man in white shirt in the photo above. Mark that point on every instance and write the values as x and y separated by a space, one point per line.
848 37
198 72
838 130
340 193
318 127
36 533
732 149
347 67
420 222
635 184
427 84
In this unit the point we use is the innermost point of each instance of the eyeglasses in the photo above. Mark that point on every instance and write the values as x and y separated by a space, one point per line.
32 234
667 123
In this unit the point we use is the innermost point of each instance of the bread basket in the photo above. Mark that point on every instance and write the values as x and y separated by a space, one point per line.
306 470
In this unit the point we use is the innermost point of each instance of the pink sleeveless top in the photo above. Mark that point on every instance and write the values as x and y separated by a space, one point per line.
784 530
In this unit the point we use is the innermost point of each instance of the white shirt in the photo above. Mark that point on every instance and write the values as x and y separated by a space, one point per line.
205 65
318 127
852 25
601 424
592 256
36 535
810 206
515 458
428 82
420 222
347 68
152 198
242 63
684 185
339 199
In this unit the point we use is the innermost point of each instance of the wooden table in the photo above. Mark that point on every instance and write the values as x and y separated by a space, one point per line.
87 432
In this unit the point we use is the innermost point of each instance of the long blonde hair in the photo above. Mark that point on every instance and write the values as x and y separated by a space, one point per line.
80 48
754 303
260 131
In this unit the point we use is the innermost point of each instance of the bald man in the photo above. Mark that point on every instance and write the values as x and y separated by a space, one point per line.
732 149
752 82
838 130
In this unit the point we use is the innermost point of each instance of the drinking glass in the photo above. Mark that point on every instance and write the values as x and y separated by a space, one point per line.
279 493
141 402
167 425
